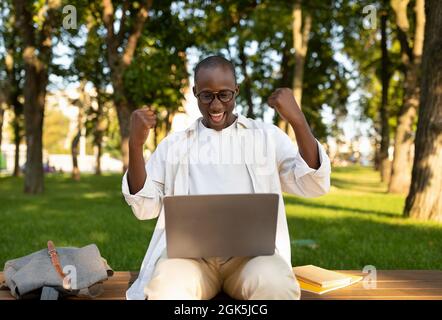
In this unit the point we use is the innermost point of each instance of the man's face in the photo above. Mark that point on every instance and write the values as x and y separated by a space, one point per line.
216 114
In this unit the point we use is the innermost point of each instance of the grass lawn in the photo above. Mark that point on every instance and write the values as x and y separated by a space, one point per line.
356 224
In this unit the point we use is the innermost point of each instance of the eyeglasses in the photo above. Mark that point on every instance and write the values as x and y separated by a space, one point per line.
207 97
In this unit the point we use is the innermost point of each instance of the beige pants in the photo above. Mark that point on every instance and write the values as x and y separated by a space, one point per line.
259 278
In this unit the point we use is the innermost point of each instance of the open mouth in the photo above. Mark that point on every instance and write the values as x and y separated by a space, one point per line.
217 117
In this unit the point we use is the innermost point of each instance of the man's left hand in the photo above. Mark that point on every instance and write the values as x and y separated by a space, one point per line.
283 101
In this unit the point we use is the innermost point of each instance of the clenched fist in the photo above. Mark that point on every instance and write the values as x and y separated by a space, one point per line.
283 101
141 120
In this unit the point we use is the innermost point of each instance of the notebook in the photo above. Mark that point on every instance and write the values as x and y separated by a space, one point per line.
319 280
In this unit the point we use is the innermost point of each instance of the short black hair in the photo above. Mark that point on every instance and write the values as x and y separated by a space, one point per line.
213 62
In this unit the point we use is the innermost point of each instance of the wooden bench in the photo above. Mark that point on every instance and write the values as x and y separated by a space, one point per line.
390 284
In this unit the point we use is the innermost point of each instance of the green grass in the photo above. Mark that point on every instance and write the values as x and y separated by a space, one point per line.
356 224
359 224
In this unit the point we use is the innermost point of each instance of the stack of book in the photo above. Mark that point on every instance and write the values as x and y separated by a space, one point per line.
318 280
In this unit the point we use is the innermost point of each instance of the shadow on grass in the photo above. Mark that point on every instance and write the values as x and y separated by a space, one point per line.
62 184
363 186
310 204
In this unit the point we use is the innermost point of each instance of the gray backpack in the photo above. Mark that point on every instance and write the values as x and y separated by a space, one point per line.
52 273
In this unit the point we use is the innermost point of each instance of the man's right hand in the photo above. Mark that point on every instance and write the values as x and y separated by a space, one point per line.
141 120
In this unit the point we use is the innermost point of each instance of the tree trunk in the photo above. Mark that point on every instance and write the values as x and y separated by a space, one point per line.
376 162
155 135
169 119
383 110
75 145
402 160
75 152
123 113
300 43
82 103
118 63
17 126
99 133
98 154
401 165
34 92
285 81
247 83
37 53
13 93
17 141
301 33
2 111
424 200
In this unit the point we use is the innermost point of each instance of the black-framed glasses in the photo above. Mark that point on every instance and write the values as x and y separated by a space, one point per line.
207 97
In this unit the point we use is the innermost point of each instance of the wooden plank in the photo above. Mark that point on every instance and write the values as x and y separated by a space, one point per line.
404 284
5 295
390 284
382 275
401 275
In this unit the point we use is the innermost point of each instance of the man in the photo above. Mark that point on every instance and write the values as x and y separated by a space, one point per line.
190 162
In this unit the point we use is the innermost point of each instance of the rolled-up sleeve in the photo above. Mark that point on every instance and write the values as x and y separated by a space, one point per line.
295 174
147 203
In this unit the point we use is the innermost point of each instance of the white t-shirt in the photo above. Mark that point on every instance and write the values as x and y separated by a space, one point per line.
217 162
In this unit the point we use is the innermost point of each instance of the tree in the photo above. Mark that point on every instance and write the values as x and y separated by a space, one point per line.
327 82
36 26
82 103
411 59
301 32
158 76
2 112
312 33
230 26
12 85
301 27
424 200
384 162
258 38
121 47
91 106
378 77
98 123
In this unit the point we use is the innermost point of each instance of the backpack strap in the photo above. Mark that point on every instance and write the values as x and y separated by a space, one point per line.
57 265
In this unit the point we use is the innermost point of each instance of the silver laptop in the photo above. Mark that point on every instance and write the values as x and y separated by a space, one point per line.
226 225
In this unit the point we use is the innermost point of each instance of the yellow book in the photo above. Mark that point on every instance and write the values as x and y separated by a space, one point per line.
321 290
320 276
319 280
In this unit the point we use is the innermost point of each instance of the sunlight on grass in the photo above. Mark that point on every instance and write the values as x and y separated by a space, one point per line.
95 195
99 236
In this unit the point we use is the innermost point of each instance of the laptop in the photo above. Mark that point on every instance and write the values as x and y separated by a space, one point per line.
220 225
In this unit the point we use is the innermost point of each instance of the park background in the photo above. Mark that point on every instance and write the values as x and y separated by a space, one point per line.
367 75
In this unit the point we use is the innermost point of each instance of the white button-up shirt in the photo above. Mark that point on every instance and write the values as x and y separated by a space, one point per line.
217 162
272 161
